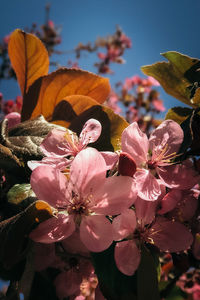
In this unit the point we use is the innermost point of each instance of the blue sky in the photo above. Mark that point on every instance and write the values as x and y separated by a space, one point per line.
154 26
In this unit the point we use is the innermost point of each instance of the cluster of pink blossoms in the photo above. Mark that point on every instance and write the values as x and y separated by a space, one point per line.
135 197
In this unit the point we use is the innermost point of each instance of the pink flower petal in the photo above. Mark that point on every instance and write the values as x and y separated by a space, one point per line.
49 184
181 176
170 201
68 283
124 224
73 244
110 158
145 211
135 143
168 134
114 195
152 81
147 185
44 256
57 162
170 236
127 257
158 105
54 229
186 207
88 171
96 233
13 118
53 143
90 132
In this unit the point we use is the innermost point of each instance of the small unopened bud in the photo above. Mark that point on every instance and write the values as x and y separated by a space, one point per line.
127 165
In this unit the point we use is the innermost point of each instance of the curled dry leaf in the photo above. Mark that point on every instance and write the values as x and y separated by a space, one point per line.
24 139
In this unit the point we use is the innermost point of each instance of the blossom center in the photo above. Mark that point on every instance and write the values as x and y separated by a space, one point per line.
79 206
161 156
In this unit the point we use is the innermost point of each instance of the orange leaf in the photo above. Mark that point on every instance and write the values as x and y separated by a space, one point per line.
73 111
71 108
29 58
49 90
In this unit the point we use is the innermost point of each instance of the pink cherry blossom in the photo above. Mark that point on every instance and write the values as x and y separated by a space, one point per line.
154 158
158 105
45 256
126 41
113 102
60 163
101 55
152 81
129 83
68 282
180 205
167 235
82 201
13 118
61 143
66 143
189 283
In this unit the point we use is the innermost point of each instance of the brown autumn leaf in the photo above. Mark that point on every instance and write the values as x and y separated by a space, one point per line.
47 91
29 58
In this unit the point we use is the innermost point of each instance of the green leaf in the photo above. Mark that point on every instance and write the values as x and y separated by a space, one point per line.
187 139
118 124
43 287
189 121
147 277
178 76
171 292
177 294
113 284
191 135
19 197
20 192
178 114
15 230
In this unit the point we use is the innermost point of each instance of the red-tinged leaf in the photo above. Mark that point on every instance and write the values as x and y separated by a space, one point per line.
48 91
29 58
